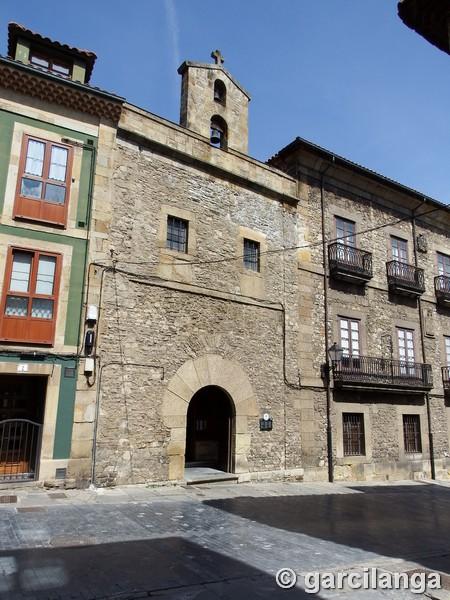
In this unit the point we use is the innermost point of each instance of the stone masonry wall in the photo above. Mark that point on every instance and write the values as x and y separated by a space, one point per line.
377 209
162 308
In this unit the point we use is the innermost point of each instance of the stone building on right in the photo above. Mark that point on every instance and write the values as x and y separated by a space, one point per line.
374 275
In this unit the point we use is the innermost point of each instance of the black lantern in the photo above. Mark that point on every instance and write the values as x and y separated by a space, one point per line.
335 353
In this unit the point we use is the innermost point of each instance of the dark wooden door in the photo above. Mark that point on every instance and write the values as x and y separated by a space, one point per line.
209 430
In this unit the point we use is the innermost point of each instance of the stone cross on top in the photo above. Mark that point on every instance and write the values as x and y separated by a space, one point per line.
217 56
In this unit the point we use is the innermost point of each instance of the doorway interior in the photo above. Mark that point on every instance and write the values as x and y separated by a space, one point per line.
22 405
209 431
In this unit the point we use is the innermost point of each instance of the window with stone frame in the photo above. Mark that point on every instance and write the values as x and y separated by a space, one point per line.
447 350
399 249
177 234
252 253
345 232
406 351
30 296
43 183
350 342
443 261
411 434
353 434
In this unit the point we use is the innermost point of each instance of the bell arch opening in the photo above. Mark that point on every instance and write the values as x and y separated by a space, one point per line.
210 429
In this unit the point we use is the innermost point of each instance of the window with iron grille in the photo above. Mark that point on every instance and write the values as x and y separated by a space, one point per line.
411 433
177 234
354 438
251 255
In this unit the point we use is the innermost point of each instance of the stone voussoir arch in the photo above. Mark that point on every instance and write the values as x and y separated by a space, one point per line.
192 376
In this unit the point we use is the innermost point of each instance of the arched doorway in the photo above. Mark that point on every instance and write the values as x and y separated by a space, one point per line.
209 430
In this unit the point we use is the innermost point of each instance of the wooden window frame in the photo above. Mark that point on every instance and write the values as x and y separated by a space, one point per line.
346 240
447 350
39 209
404 243
11 324
353 360
444 261
51 60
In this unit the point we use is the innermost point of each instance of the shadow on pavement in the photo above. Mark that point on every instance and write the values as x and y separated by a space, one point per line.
405 522
171 568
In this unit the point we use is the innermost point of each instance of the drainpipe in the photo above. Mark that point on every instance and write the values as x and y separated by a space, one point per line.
326 337
422 342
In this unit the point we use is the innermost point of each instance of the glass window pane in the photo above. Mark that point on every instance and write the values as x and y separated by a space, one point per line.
55 193
42 309
60 69
251 255
177 234
40 62
16 306
31 188
58 163
20 274
45 275
35 158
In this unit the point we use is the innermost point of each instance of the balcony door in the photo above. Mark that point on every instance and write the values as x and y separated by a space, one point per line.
406 352
443 261
349 330
346 240
447 350
399 249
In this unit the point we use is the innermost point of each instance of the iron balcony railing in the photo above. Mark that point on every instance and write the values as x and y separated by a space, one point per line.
442 289
347 262
446 379
404 278
384 372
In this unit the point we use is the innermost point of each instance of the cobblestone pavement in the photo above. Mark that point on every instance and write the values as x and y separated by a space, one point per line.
218 541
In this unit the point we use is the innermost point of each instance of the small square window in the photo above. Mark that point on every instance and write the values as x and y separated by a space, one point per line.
354 436
177 234
251 255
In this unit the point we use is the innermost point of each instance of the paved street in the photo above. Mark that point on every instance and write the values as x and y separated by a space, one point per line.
217 541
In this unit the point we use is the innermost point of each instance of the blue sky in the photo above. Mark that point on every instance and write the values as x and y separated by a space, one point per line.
347 74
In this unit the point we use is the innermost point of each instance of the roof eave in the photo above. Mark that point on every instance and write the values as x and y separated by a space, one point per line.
300 143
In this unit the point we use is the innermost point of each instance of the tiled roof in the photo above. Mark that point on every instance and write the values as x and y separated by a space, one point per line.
302 144
15 30
34 82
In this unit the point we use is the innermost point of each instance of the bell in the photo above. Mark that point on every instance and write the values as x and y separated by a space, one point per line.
216 136
217 94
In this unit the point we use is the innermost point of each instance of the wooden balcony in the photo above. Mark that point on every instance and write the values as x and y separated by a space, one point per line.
366 372
349 264
405 279
442 290
446 380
